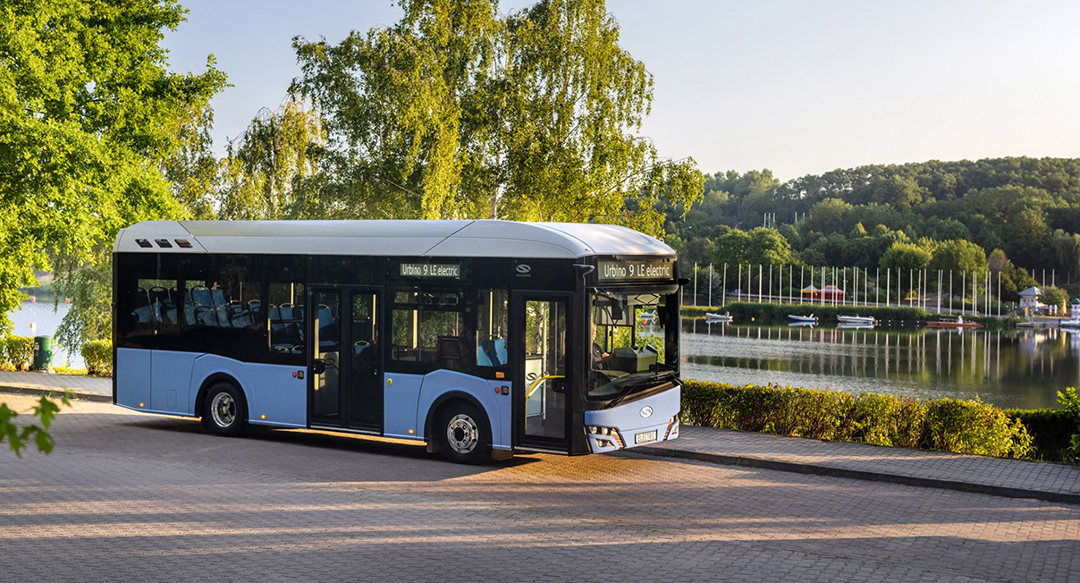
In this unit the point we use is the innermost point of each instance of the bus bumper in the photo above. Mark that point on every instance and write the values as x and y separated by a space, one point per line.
643 422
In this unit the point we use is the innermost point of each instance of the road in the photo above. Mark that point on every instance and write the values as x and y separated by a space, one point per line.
129 497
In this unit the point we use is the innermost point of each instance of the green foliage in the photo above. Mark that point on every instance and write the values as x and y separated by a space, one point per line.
265 172
905 257
958 255
90 316
459 111
19 438
1071 403
1051 430
98 356
1054 296
974 427
88 110
1027 207
952 425
18 352
768 247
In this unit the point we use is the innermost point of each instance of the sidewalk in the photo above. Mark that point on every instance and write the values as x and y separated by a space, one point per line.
89 388
967 473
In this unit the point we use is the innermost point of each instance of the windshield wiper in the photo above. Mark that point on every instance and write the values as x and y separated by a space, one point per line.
631 388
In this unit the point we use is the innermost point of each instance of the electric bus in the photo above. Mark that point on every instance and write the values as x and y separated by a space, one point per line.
479 338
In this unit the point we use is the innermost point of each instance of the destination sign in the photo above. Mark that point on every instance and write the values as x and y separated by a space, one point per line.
633 270
441 270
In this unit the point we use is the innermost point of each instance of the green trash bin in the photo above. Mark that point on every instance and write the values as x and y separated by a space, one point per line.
43 352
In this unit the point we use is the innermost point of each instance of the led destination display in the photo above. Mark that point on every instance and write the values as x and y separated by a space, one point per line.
633 270
443 270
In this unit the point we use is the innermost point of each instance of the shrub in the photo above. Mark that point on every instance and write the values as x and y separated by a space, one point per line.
1071 402
98 355
975 428
1050 429
945 424
18 352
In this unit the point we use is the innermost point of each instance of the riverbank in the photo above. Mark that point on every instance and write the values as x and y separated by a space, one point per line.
749 312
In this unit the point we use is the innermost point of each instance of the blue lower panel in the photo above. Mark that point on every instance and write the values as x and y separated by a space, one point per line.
278 395
401 393
171 382
133 378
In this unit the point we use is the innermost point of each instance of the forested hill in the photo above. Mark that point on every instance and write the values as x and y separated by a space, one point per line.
1027 207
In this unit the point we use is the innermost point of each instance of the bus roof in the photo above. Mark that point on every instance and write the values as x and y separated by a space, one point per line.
481 238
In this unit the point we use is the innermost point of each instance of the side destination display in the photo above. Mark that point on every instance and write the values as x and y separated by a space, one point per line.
444 270
633 270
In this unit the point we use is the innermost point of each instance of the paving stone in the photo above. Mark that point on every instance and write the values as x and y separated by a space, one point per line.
137 497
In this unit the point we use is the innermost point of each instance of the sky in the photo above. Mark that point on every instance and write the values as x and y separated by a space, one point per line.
795 87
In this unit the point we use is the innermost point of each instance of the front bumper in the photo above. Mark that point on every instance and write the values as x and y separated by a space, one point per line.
620 427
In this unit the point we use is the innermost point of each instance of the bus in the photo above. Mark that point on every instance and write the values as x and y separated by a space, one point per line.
480 338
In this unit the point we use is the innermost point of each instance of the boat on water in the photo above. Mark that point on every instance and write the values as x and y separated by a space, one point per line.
958 323
793 319
855 320
722 318
1072 324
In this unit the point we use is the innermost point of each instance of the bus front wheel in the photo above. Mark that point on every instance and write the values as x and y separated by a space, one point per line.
464 434
224 411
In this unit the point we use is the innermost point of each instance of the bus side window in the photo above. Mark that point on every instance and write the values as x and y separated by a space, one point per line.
285 308
491 328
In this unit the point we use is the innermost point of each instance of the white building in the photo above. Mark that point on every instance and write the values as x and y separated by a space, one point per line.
1029 298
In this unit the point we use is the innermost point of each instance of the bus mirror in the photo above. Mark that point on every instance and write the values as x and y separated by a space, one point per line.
318 366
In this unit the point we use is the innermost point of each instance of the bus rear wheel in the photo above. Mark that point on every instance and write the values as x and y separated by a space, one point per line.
464 434
224 410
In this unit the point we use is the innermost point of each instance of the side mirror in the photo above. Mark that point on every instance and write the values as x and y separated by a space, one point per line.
318 367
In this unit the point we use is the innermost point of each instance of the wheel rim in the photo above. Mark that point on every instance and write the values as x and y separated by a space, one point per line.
223 409
462 433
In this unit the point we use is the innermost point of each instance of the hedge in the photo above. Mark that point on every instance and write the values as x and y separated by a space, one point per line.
17 352
952 425
98 355
1050 429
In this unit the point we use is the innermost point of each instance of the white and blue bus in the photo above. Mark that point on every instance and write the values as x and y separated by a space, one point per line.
480 338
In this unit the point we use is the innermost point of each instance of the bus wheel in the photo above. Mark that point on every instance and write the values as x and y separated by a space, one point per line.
464 434
224 410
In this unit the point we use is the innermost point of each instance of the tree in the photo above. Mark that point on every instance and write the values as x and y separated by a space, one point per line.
88 113
905 256
263 172
731 247
899 193
768 247
457 111
1054 296
958 255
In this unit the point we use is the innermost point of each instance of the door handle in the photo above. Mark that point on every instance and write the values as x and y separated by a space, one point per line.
318 366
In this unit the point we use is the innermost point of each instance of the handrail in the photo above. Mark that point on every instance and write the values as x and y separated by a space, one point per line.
533 386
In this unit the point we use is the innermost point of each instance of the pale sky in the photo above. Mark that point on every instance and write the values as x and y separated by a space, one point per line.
797 87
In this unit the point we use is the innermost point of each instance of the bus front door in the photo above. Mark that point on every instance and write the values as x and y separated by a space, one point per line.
345 358
542 363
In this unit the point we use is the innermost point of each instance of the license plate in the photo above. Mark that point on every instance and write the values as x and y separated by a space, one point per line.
645 437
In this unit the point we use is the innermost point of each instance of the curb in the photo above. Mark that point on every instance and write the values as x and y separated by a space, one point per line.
819 470
54 392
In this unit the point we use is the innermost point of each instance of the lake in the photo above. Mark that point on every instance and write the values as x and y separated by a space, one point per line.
1009 368
46 319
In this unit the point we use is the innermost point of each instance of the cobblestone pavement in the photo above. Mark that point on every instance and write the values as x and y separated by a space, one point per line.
1005 473
129 497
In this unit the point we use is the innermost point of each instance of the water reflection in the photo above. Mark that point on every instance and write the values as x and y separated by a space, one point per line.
1011 368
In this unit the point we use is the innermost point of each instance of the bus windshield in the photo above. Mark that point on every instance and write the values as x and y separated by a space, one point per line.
628 343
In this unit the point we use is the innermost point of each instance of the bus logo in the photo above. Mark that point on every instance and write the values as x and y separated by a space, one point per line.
646 412
523 268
